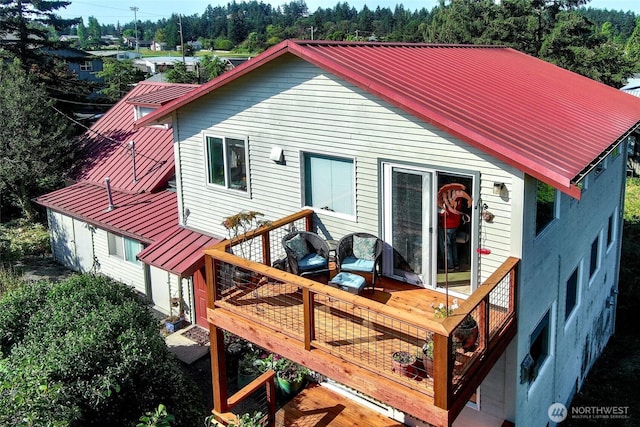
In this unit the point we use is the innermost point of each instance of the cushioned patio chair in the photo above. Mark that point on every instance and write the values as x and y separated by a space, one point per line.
307 253
360 253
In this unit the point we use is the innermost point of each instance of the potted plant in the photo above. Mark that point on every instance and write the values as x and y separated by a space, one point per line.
248 420
466 334
173 322
239 225
402 363
289 376
249 368
427 357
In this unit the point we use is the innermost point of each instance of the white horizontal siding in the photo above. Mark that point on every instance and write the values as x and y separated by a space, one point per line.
118 269
297 106
61 235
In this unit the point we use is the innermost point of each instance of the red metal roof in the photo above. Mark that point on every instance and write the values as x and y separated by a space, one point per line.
551 123
140 213
145 216
161 96
180 252
151 218
108 140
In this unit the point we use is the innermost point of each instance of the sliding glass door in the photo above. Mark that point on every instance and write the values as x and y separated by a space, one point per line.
408 223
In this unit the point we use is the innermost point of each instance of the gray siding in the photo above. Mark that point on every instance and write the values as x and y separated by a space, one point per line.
299 107
548 261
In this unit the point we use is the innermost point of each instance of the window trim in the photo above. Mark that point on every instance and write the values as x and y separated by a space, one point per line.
593 269
556 210
303 183
86 66
539 365
569 316
227 179
612 227
120 240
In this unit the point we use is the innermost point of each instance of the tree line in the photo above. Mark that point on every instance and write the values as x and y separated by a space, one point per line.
601 44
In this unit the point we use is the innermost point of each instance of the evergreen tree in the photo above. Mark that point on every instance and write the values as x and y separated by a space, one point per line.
26 23
36 148
179 74
119 77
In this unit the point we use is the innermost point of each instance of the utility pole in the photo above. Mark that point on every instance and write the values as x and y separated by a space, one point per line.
135 24
312 30
181 40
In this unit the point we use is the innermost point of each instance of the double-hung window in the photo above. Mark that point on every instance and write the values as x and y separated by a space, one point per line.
227 162
329 183
123 248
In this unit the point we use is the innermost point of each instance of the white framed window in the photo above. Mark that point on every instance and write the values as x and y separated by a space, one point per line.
329 183
86 66
227 162
123 248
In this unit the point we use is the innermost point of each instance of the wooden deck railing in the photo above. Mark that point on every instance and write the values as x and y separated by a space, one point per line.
266 380
356 329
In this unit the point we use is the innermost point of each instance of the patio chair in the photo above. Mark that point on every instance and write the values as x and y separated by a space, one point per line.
360 253
307 253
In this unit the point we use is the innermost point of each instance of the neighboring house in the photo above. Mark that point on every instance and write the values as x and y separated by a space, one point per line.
160 64
195 44
364 134
120 55
158 46
127 229
131 42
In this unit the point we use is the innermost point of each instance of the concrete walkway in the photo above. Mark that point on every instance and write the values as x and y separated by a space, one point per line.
185 348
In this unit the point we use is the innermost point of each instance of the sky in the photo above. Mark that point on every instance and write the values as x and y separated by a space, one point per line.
114 11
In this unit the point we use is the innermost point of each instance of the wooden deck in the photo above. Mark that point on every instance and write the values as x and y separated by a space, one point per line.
357 335
350 338
317 406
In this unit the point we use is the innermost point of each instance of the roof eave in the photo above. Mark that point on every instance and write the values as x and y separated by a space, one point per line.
93 222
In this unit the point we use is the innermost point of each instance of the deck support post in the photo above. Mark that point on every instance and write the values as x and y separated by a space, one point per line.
442 370
218 370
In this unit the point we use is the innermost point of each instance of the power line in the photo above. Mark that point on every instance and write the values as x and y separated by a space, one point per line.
122 144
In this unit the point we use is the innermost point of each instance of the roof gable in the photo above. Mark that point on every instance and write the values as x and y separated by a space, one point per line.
550 123
108 144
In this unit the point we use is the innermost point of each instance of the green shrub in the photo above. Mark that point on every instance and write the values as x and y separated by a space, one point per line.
95 357
222 44
20 238
632 200
8 279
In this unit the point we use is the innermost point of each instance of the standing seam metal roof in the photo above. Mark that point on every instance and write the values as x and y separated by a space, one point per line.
140 212
108 144
550 123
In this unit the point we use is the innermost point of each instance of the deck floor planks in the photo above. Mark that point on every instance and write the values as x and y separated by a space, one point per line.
317 406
